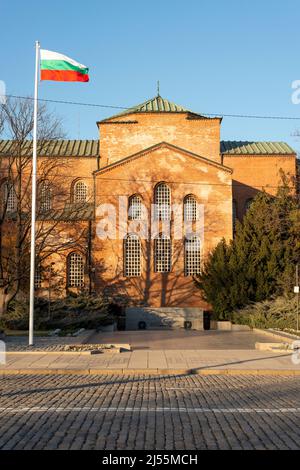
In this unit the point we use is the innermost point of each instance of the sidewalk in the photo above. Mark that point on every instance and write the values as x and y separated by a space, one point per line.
202 362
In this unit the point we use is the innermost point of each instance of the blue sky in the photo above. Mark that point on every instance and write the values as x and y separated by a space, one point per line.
220 57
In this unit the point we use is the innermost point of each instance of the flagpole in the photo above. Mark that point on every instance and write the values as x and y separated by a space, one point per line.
33 198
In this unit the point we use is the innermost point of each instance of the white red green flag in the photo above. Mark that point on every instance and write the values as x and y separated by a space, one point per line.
59 67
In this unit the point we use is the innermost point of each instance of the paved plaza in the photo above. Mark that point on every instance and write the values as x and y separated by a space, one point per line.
183 339
149 412
154 352
155 362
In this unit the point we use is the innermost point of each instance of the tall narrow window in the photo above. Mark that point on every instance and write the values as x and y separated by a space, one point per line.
132 256
162 254
80 191
192 255
190 208
134 208
45 196
75 270
162 200
9 197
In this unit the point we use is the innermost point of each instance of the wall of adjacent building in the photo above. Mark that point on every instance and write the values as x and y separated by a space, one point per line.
251 173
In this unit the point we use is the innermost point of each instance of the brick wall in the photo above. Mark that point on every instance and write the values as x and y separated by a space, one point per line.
252 173
184 174
200 136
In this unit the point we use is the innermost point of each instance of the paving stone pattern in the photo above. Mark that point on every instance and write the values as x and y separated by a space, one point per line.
149 412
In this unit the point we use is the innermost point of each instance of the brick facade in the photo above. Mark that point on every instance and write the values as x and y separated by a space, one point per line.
156 142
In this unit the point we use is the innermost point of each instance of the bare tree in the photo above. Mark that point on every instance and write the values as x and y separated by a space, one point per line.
15 176
1 121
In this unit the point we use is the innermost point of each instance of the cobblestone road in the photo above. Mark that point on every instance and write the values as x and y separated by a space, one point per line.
132 412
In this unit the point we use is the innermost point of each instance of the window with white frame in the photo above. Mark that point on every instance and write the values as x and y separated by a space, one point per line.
80 191
75 270
192 256
135 208
132 256
190 208
162 254
45 196
9 197
162 200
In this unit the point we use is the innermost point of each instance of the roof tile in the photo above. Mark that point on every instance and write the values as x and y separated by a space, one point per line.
55 148
154 105
255 148
90 148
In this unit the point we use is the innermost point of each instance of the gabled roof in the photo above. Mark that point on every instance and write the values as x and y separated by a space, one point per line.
163 145
161 105
53 148
255 148
154 105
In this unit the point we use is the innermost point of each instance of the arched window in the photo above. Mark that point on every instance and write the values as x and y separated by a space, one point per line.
162 200
45 196
80 191
134 208
192 256
75 267
9 196
162 254
248 203
132 256
190 208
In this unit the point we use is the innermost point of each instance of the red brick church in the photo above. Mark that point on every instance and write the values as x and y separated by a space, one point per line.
173 190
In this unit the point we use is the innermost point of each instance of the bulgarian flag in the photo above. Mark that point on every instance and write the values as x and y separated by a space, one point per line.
59 67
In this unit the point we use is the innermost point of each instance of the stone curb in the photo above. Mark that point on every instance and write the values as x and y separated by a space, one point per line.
88 336
285 334
274 347
275 372
274 335
66 353
207 371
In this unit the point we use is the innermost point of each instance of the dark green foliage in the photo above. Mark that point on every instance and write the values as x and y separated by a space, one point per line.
275 313
72 312
260 261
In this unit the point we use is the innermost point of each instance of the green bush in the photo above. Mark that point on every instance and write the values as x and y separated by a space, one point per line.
16 317
71 313
277 313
